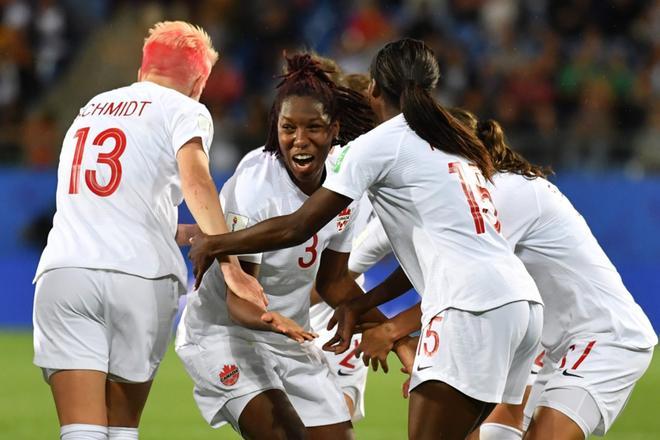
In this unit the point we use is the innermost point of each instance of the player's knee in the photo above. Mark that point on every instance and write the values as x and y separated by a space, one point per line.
496 431
80 431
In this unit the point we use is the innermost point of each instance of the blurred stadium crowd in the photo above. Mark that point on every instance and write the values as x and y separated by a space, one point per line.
575 83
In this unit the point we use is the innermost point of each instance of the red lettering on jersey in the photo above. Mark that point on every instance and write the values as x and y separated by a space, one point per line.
539 359
345 362
100 108
114 108
128 110
144 104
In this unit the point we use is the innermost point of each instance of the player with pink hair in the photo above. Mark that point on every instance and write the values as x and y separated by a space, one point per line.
109 279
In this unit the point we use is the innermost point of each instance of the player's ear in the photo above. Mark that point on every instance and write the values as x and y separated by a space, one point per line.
334 129
374 89
198 88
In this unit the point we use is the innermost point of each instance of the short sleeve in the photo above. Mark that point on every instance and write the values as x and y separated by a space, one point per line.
359 165
369 247
189 122
240 212
343 241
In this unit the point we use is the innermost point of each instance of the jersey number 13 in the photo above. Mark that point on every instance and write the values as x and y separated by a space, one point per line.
111 159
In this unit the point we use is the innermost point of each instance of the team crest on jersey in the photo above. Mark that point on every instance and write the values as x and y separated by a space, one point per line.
236 222
343 218
229 375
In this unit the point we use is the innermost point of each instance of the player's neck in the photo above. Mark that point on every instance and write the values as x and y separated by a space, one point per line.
165 82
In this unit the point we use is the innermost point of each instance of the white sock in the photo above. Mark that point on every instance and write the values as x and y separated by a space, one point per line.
496 431
121 433
80 431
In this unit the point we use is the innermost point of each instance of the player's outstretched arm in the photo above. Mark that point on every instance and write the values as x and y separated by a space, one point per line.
201 196
378 341
256 317
349 313
335 285
272 234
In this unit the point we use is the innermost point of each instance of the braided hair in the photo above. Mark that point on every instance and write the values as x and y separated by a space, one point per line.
504 158
305 77
407 72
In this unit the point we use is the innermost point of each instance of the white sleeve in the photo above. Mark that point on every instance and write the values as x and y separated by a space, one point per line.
189 122
360 164
343 241
241 211
369 247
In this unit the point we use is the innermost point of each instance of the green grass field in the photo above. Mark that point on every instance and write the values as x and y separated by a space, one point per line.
27 411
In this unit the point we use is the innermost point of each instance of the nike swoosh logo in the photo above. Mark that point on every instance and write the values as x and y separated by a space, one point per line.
420 368
566 373
341 373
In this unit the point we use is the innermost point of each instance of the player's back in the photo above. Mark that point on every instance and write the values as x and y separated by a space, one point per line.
118 184
442 227
582 291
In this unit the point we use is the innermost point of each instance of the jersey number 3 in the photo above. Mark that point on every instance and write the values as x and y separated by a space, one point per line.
111 159
313 253
480 206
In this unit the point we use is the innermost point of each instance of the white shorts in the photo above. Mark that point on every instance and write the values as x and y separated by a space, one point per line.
485 355
606 370
350 372
232 368
536 366
87 319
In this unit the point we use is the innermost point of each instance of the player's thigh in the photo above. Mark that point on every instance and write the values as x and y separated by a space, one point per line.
140 316
551 423
437 410
125 402
267 415
475 352
227 372
312 387
336 431
70 331
79 396
509 414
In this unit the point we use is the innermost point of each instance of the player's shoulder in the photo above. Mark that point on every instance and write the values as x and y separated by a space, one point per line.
256 178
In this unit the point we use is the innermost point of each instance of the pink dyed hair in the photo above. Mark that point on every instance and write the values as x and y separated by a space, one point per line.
178 50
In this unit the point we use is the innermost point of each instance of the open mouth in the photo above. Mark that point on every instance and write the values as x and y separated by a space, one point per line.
303 160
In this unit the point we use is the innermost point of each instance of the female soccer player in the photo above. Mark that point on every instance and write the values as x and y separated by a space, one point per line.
597 340
108 282
417 168
264 384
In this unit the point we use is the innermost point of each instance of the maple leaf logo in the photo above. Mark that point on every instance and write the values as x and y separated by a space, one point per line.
229 375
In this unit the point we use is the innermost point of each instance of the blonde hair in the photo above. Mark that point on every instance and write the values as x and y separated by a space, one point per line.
178 50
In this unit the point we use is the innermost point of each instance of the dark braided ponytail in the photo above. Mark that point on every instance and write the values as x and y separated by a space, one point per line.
505 160
407 72
304 76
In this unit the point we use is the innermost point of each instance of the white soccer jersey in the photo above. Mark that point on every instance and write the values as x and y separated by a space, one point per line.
438 218
260 189
582 291
118 182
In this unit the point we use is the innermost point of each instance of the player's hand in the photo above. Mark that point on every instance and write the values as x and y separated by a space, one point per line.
405 388
243 285
184 232
375 345
405 349
345 318
200 256
288 327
